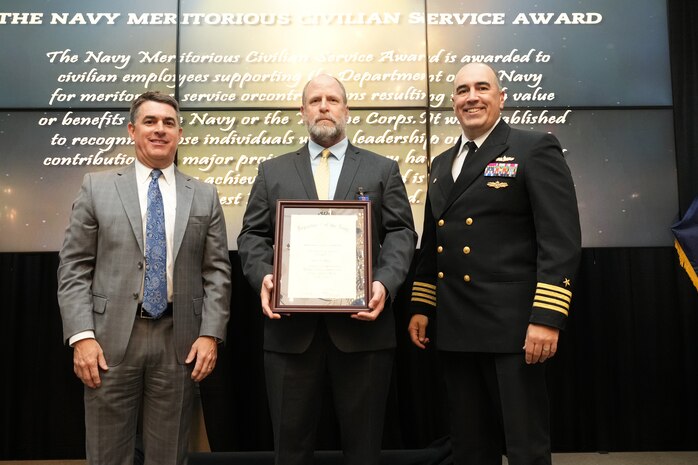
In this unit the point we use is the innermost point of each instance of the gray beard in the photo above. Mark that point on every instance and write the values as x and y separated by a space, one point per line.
326 135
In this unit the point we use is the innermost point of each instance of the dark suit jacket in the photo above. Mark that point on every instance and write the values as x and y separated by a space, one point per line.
102 263
290 177
500 247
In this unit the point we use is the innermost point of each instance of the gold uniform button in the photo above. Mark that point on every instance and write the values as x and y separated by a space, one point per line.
466 250
466 278
469 221
441 274
441 222
439 249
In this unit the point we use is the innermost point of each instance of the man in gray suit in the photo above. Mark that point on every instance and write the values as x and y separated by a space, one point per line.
129 350
304 351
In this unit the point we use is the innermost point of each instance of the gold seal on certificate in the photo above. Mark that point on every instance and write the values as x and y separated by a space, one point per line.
322 260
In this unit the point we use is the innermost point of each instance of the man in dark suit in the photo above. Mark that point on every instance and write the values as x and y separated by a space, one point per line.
304 351
500 248
144 292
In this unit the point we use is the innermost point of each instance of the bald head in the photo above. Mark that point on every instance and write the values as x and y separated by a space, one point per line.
471 67
324 79
478 99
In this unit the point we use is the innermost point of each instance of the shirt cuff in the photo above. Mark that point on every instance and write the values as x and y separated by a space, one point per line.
89 334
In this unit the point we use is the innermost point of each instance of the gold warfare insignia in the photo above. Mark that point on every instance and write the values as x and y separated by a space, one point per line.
504 159
497 184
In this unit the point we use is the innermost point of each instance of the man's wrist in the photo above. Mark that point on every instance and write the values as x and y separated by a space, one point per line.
89 334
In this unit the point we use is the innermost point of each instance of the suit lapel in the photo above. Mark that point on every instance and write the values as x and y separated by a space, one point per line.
185 195
475 164
127 188
441 179
352 160
305 172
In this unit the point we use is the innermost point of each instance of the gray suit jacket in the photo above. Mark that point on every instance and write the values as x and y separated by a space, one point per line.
102 263
290 177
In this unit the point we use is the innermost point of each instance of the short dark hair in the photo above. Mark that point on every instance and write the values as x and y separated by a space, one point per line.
151 96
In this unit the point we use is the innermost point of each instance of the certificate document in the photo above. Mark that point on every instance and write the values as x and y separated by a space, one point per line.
322 256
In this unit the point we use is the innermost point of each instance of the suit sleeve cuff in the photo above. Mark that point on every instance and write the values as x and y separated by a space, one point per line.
423 300
89 334
551 305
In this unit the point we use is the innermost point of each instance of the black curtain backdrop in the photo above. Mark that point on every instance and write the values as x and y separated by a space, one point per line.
625 378
683 45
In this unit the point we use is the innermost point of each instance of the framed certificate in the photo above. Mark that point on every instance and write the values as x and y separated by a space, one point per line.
322 259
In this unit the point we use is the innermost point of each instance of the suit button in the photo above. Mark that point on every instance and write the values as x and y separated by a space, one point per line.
466 278
140 265
135 296
469 221
466 250
441 274
441 222
439 249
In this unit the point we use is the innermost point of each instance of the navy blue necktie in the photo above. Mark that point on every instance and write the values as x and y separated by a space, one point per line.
155 287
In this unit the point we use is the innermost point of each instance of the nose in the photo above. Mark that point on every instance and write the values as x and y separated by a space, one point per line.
323 105
471 95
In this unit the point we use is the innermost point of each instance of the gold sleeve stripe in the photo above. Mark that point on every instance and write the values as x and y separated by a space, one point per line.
423 295
554 294
424 285
539 298
424 291
428 302
553 288
550 307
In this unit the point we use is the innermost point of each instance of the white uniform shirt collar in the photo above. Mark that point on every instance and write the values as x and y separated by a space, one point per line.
479 140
